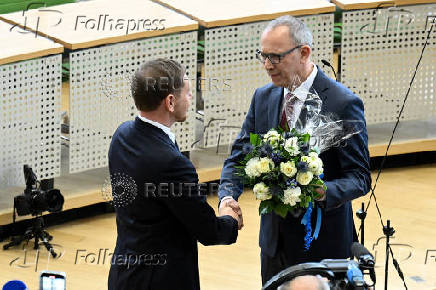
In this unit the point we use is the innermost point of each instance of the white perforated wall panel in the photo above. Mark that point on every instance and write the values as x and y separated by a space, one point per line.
380 50
100 98
231 65
30 93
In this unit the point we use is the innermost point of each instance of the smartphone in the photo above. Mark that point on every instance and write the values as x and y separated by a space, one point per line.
52 280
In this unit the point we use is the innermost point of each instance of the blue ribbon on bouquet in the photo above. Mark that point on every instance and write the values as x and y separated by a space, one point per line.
306 221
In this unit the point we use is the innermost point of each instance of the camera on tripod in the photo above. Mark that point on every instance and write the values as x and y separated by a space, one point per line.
35 199
341 274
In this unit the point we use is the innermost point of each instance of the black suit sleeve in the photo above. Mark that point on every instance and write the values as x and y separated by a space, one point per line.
192 209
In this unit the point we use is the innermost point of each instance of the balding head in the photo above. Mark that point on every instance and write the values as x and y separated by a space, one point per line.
305 283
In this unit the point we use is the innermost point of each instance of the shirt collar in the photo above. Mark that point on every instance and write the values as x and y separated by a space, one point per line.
160 126
301 91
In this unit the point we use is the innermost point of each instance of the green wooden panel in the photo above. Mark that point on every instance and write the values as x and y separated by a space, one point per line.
9 6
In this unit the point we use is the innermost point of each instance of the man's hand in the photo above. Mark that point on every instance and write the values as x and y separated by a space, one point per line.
227 210
321 192
234 205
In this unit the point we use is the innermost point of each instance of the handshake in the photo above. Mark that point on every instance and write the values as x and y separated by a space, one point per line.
229 206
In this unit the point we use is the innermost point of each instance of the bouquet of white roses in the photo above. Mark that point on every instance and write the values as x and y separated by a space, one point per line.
283 170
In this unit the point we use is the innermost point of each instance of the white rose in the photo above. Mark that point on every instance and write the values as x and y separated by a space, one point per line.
288 168
306 159
291 145
319 170
251 168
262 191
314 163
271 134
316 166
319 163
273 137
291 196
304 178
265 165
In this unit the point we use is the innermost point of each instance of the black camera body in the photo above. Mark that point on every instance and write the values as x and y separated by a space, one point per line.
38 201
348 274
342 274
35 200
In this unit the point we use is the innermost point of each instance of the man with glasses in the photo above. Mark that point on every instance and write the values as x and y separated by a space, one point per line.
286 46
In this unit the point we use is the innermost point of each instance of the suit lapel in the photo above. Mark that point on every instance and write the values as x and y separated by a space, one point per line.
274 105
320 84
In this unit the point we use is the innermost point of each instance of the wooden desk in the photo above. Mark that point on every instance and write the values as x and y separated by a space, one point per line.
230 12
88 24
16 46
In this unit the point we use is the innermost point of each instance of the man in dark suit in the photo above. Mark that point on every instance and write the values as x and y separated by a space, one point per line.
160 211
285 52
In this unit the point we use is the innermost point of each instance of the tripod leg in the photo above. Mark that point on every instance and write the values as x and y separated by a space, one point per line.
45 238
37 232
47 235
15 241
36 245
49 248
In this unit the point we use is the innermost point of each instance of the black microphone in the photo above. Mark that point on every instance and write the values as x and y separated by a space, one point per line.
362 254
365 258
330 66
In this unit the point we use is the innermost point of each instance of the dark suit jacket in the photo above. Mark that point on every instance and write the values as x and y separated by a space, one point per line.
163 228
346 172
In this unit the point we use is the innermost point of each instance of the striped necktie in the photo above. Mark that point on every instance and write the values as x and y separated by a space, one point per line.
290 100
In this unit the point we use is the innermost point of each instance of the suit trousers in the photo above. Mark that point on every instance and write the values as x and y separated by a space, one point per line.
270 266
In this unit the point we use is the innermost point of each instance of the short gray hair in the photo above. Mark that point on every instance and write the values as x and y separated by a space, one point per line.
298 31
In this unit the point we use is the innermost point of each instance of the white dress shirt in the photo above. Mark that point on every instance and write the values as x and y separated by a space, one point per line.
164 128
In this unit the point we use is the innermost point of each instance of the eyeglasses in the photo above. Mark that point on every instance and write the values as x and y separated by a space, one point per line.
274 58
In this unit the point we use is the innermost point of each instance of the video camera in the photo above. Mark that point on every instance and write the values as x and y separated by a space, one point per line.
340 273
35 200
